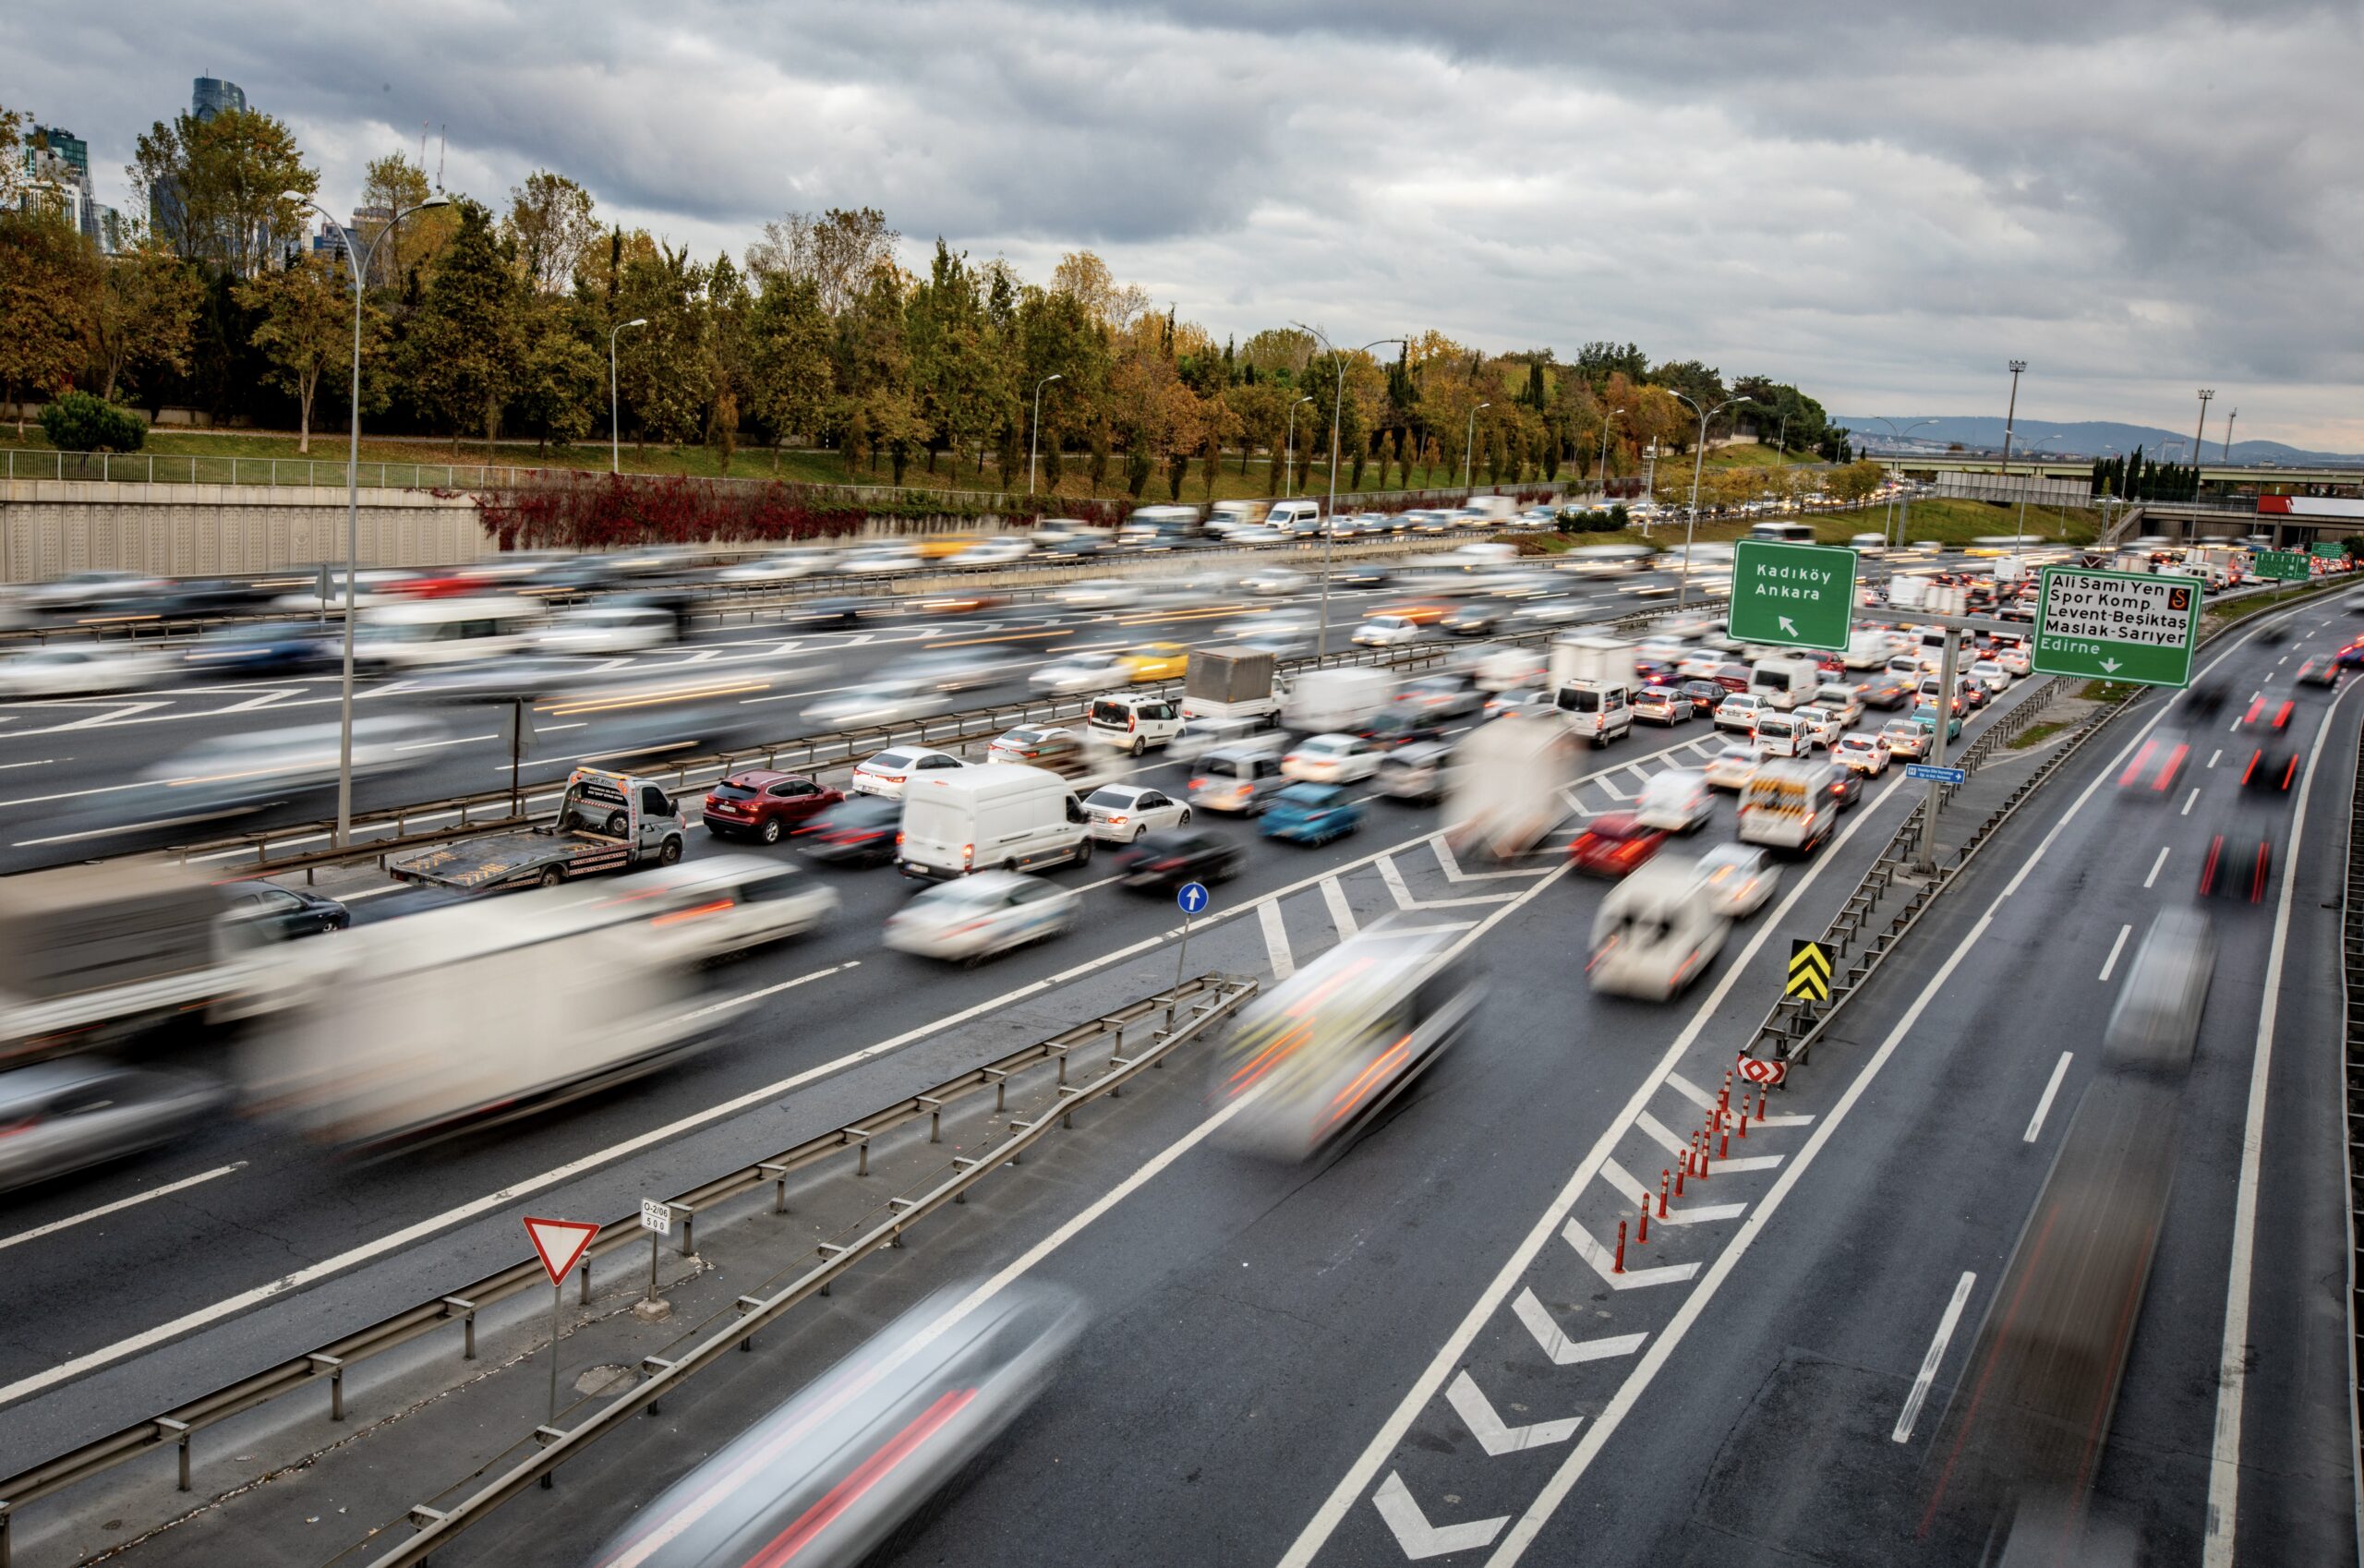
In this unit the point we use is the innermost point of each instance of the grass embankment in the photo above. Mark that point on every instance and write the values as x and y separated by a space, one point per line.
2240 608
1757 455
2105 692
2036 734
1948 520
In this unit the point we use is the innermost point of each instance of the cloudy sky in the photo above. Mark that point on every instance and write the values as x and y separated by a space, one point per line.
1880 202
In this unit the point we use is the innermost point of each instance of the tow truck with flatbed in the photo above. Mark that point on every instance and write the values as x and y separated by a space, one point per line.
606 822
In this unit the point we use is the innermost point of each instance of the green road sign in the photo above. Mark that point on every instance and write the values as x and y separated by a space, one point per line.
2287 564
2331 551
1793 596
2116 625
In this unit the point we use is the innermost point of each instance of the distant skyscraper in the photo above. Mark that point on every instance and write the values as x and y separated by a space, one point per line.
213 95
58 156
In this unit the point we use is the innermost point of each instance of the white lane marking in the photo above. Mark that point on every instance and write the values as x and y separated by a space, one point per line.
2155 865
1653 1129
2110 964
74 795
1610 790
1563 1351
1454 872
2187 802
455 740
2282 661
1629 1393
1276 941
1420 1540
734 1003
1395 880
1604 1262
2043 1105
1340 915
2232 1370
1365 1465
2213 756
1689 1090
120 1204
1929 1363
42 762
1633 1191
1494 1435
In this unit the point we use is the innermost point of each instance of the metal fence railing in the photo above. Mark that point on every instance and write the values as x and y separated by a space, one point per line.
1174 1018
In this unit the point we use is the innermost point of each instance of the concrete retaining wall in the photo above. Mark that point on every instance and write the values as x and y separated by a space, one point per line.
48 528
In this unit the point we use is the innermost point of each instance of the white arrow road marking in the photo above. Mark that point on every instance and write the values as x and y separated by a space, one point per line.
1469 1401
1604 1263
1689 1214
1563 1351
1416 1536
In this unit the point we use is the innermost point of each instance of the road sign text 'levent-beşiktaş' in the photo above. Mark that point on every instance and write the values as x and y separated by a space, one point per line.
2116 625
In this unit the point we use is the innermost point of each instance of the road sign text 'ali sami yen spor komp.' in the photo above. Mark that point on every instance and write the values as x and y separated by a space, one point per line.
2116 625
1791 596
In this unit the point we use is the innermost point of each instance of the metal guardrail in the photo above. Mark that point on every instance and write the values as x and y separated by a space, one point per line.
1209 998
2351 991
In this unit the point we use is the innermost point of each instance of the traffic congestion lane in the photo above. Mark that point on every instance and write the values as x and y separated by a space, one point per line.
1776 1433
292 1207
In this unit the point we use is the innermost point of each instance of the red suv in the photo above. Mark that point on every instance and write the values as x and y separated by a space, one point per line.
761 804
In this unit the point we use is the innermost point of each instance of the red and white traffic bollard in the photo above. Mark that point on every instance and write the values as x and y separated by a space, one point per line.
1724 1144
1618 1267
1760 1104
1664 1177
1642 1234
1743 1123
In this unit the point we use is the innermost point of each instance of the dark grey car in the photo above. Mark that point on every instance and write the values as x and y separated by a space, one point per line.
82 1111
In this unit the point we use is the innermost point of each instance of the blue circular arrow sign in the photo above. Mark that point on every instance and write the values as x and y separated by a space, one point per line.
1192 897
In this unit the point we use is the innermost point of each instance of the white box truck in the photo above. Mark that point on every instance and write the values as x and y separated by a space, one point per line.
1324 701
1229 684
1001 815
1592 657
1505 788
1592 683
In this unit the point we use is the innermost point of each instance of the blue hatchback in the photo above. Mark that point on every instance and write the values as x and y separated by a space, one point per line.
1311 813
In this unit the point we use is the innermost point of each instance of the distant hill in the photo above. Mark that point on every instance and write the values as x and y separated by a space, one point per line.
2090 438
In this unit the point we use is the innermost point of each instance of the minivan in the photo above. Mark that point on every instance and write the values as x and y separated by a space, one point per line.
1785 683
1134 724
1654 935
1294 516
999 814
1236 779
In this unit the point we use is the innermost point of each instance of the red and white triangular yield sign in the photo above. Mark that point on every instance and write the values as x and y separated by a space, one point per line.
560 1244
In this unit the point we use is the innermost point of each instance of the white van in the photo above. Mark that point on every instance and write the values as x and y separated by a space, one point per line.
1002 814
1870 648
1786 807
1785 683
419 636
1133 723
1294 516
1783 736
1656 932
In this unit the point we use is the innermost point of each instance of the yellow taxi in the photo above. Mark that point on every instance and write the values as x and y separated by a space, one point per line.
1155 661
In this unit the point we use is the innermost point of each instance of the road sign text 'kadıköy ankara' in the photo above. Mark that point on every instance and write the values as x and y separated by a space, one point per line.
2116 625
1791 596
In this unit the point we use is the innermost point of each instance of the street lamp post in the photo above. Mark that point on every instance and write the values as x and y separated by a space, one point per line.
1036 439
1607 420
1699 461
356 270
2229 433
1329 517
1896 439
2206 395
1288 476
615 445
1469 443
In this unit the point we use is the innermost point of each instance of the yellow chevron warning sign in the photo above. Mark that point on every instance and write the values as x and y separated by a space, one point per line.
1809 970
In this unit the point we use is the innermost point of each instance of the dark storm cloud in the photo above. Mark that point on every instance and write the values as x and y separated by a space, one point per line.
1878 202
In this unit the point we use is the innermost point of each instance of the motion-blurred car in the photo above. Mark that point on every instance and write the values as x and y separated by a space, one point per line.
1927 717
81 590
975 916
1662 704
1843 786
2157 763
955 669
1387 632
1122 812
1741 710
1613 844
722 904
1170 859
1738 878
1099 592
1704 695
1887 692
1656 932
1040 745
1088 672
827 1476
1907 738
844 613
2317 672
2238 865
1818 725
1155 661
1311 813
760 804
1678 800
1332 759
1991 674
260 650
859 830
1397 727
1415 773
607 629
80 1110
1867 755
82 670
1735 765
1520 699
1273 580
886 773
876 703
779 566
1236 777
1473 621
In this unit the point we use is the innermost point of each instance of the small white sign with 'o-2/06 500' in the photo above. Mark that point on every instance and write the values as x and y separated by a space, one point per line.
657 1216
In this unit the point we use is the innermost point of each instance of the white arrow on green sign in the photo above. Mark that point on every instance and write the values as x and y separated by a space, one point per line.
2135 626
2288 565
1791 596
